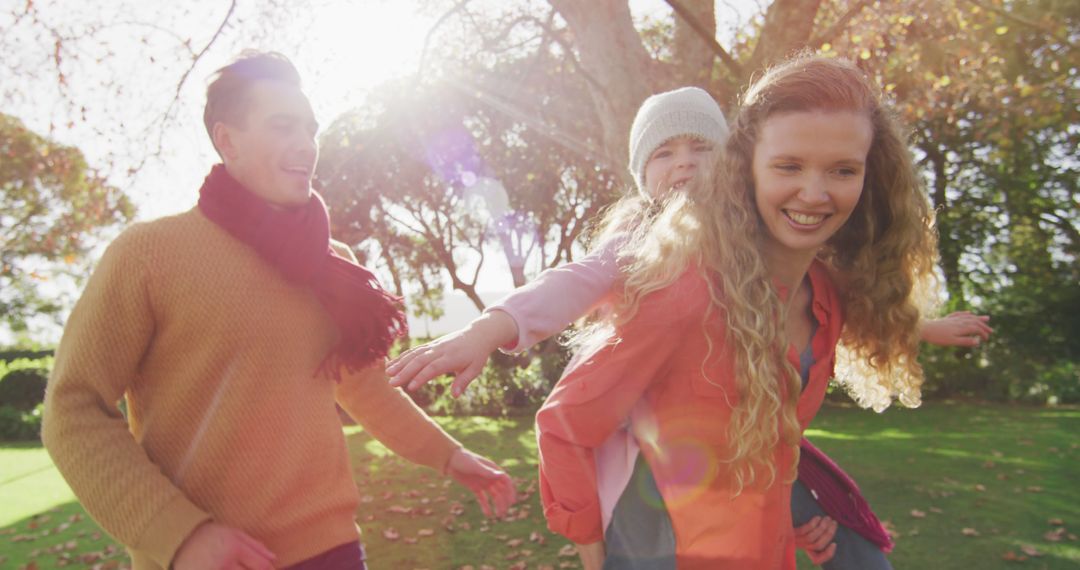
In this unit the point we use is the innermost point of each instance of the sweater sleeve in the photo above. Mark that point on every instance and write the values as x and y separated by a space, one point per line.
390 416
559 296
97 360
591 401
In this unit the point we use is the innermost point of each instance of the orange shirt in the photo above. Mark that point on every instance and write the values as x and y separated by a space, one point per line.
680 414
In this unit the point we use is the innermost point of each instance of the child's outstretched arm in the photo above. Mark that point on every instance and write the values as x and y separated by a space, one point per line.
538 310
961 328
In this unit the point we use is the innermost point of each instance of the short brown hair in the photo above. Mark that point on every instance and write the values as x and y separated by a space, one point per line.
226 95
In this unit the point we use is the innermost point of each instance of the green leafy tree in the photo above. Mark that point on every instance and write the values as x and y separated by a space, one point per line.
53 208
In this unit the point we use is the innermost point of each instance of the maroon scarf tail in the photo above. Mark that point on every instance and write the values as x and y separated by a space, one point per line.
839 495
369 319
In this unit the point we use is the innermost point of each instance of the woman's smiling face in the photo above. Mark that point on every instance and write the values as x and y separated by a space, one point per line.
809 168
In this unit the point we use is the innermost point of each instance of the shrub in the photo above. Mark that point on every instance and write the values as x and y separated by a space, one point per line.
18 425
23 388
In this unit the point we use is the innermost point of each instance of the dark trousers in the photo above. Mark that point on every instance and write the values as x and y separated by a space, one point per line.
345 557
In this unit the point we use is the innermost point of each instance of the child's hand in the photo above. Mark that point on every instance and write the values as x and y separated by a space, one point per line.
961 328
462 353
491 485
592 555
816 538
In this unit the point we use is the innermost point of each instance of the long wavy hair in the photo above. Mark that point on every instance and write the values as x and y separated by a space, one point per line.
882 260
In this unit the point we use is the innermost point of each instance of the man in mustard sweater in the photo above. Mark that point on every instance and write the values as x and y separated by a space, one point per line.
231 330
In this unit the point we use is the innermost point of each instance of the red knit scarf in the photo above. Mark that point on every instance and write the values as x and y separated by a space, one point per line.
297 242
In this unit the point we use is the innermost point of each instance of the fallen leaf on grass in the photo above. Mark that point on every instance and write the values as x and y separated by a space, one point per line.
1055 522
425 532
969 532
918 514
391 534
890 528
1055 535
537 538
1013 557
1030 550
568 550
980 488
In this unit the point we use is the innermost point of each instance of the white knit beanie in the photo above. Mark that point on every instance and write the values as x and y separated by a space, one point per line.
688 111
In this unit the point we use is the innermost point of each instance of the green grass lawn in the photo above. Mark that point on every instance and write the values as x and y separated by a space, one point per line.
966 486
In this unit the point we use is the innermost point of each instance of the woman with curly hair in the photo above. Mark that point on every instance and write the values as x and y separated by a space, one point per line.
809 252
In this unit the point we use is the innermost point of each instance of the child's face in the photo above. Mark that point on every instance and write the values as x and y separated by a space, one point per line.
808 170
675 163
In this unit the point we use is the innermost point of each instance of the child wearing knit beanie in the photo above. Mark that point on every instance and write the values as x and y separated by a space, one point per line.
687 112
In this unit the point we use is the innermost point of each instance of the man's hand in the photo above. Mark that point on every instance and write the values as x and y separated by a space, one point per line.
816 538
592 555
462 353
491 485
212 546
956 329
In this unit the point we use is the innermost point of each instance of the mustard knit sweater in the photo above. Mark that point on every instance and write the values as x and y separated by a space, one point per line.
214 352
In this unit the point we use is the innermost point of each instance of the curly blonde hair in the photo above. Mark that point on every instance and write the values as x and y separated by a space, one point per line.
882 260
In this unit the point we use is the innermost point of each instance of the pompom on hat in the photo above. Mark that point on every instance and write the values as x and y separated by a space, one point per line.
688 111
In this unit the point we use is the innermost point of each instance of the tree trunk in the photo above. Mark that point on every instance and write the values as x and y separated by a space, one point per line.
788 25
612 54
947 247
694 59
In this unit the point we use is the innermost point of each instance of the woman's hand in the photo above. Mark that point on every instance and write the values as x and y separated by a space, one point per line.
816 538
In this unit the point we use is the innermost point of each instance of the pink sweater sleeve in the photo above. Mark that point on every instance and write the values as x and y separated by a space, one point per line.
559 296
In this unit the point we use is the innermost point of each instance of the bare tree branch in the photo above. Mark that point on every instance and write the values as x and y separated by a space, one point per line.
431 32
202 52
706 37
